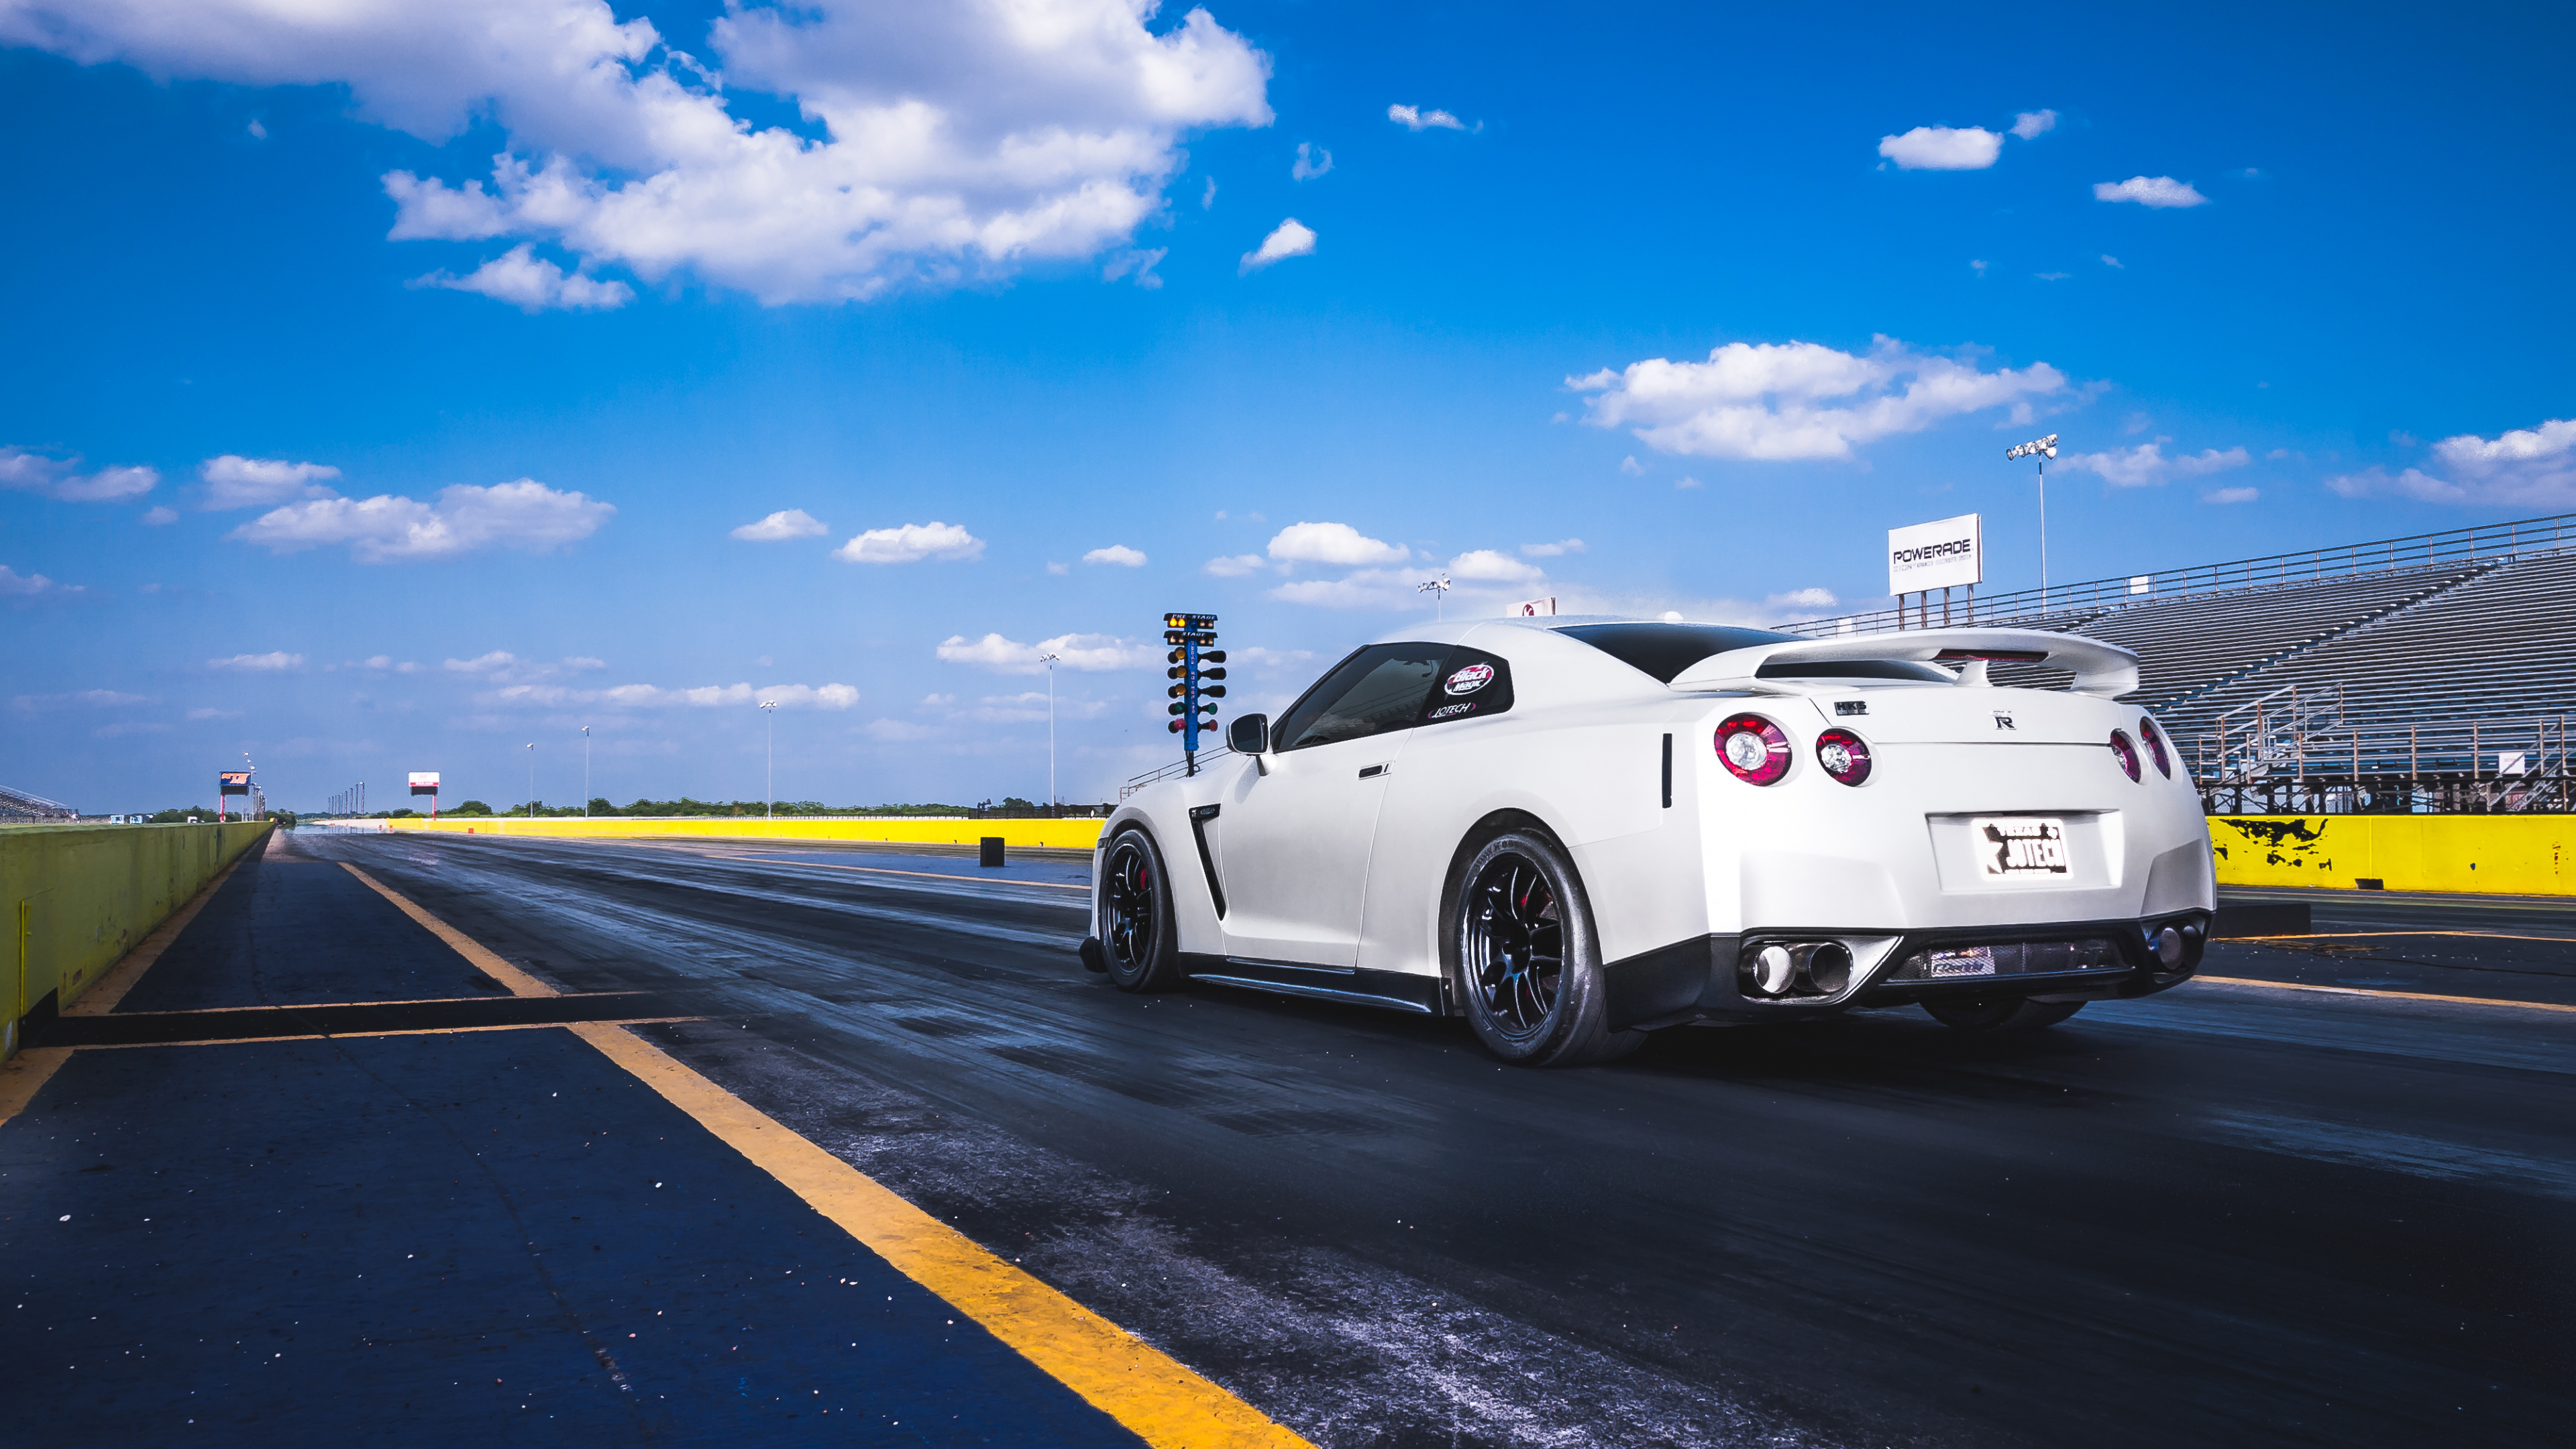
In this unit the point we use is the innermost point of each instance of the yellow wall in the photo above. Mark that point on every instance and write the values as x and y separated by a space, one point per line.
2494 854
75 898
1053 834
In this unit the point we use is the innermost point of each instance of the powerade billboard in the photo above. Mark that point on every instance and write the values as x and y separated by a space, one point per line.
1937 555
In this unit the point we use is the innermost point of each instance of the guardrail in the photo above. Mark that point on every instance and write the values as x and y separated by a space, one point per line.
2493 542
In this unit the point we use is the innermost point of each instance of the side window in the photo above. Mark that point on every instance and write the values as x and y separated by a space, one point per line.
1471 685
1378 689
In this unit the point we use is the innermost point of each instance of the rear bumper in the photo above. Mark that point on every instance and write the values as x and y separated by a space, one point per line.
1703 979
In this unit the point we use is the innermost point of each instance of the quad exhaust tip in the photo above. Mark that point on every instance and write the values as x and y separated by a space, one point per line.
1801 968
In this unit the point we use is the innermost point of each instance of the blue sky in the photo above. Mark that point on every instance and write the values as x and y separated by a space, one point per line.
331 440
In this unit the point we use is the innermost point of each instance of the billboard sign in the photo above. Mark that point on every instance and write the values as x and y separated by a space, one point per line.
1535 609
234 782
424 782
1937 555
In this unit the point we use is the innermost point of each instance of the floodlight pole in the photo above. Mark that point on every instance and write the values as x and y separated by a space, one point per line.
1049 660
769 807
1438 589
2042 449
532 779
585 774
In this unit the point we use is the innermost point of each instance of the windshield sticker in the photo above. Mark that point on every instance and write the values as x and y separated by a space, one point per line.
1447 710
1470 679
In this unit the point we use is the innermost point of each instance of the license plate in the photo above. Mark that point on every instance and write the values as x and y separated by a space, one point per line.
1974 961
2021 847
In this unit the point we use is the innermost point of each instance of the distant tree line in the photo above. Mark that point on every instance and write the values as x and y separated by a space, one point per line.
1011 807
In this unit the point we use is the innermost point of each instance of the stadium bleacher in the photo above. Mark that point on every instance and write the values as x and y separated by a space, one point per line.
2431 672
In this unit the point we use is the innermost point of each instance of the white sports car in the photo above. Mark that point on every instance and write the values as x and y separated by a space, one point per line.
1574 831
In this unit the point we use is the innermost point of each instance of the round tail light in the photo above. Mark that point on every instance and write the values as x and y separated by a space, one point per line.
1753 748
2126 753
1844 755
2155 739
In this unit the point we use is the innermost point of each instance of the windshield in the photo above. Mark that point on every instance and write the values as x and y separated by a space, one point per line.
1665 650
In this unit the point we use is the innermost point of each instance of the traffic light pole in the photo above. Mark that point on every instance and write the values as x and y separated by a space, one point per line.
1198 670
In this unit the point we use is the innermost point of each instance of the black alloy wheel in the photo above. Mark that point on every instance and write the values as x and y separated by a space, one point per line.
1136 916
2001 1014
1527 966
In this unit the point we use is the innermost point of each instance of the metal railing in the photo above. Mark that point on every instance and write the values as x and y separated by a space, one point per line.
2305 757
2487 543
1173 770
17 807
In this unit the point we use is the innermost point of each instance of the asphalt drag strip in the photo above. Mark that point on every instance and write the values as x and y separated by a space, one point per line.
2234 1214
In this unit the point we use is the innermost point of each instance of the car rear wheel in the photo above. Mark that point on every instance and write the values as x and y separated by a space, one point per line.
1992 1014
1135 922
1527 964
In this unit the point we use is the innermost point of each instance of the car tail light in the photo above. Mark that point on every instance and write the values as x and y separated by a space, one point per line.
1844 755
2155 739
1753 748
2126 752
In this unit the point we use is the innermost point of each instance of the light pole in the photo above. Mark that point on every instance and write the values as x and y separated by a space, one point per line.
532 779
585 772
769 807
2043 449
1438 589
1049 661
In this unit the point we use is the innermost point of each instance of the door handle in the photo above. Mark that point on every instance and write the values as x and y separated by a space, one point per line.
1373 771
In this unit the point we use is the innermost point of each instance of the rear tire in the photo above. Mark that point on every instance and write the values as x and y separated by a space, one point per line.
1994 1015
1135 922
1528 967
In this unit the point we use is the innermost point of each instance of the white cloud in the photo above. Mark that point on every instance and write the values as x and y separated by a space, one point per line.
36 473
1312 161
533 284
1288 239
778 527
523 515
157 517
273 662
2519 468
1059 570
492 663
652 696
1137 264
911 543
1333 543
1775 401
1207 198
1630 466
21 585
205 713
1381 589
1795 599
1486 565
1272 658
1413 118
2109 260
386 661
80 699
1091 653
1554 550
1116 553
2146 466
957 140
2158 191
1237 565
1687 482
233 481
2231 495
2031 125
1943 148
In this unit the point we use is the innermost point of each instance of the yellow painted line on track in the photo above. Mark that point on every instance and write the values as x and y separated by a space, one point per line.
2385 995
127 1046
519 982
1154 1396
110 989
400 1001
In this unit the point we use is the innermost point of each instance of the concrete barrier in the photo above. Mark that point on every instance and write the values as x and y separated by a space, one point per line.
78 897
2525 855
1016 834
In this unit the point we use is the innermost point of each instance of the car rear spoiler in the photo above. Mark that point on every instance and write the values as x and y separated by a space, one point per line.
2104 670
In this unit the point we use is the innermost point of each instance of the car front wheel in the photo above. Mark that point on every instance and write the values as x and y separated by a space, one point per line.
1135 922
1527 963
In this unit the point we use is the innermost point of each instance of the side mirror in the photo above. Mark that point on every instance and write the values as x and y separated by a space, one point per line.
1249 734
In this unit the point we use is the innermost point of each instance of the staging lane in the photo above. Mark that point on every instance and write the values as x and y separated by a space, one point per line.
2226 1212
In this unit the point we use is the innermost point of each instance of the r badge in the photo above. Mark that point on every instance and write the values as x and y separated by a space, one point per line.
2003 721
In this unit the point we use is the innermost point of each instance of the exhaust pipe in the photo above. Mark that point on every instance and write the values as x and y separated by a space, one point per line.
1804 968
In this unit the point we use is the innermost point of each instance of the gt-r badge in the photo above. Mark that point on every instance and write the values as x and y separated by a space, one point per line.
1470 679
2003 721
